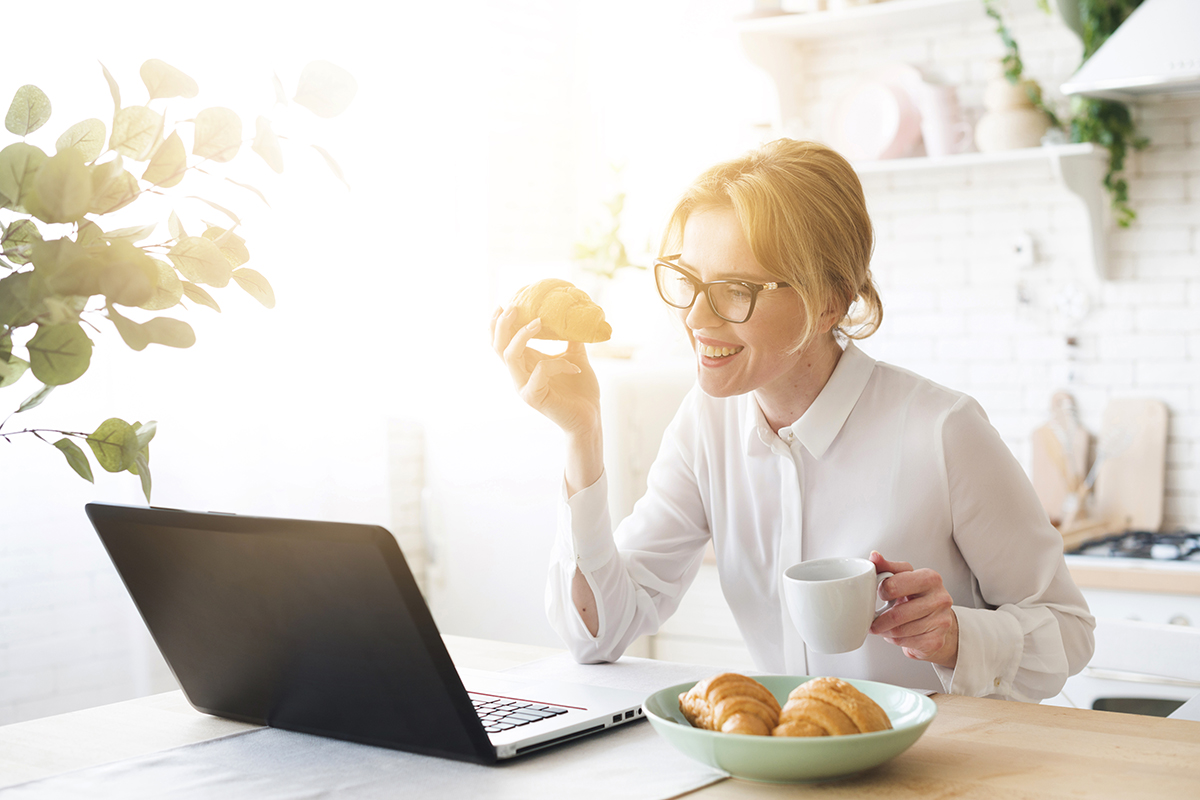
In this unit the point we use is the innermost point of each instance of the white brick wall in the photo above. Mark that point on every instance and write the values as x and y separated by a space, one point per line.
958 309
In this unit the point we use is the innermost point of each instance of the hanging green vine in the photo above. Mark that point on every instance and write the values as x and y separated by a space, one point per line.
1103 122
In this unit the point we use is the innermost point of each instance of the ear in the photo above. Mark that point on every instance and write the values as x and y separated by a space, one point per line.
830 318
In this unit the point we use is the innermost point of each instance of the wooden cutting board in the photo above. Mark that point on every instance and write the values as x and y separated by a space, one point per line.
1060 457
1132 455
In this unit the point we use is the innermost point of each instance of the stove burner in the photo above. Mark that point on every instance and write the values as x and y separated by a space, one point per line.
1175 546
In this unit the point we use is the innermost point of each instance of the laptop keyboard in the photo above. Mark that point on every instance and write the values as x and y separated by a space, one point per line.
500 714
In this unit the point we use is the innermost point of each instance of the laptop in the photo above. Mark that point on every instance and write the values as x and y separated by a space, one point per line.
319 627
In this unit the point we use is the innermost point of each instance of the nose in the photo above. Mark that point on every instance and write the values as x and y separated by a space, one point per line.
701 315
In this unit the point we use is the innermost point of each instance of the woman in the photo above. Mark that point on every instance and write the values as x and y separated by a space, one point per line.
795 445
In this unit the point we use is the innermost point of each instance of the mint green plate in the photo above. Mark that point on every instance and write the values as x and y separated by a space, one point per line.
795 759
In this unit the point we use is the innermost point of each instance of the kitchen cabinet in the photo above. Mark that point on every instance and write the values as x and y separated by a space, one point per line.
780 44
1147 624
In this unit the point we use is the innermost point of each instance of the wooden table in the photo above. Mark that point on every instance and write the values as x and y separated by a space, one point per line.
974 749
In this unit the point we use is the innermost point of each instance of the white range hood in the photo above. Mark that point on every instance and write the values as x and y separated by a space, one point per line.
1156 50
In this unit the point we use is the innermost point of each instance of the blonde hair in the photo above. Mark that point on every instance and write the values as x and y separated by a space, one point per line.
801 208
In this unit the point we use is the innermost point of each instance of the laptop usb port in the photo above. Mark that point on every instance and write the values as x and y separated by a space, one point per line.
617 718
628 715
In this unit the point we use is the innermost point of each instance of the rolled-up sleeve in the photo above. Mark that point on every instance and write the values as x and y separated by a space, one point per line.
1033 628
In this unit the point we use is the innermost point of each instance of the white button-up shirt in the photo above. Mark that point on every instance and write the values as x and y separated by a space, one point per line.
883 460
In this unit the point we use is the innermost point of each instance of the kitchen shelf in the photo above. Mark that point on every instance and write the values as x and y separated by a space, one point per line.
780 45
1078 167
865 19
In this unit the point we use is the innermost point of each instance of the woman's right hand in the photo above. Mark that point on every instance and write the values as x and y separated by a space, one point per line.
563 387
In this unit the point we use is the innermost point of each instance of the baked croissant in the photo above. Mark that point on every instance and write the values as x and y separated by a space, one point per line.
567 313
731 703
829 707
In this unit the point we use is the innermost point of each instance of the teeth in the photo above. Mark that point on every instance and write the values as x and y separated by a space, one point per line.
718 352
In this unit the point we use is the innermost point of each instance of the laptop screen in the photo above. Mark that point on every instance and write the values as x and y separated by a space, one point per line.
315 627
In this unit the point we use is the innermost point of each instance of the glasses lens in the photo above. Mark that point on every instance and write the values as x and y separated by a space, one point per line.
675 287
731 300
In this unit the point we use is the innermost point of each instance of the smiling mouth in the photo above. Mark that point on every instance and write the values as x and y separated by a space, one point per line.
719 352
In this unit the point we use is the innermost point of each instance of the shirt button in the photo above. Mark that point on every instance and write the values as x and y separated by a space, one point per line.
996 682
791 437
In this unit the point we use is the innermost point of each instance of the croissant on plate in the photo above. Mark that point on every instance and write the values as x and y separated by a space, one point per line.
567 313
829 707
731 703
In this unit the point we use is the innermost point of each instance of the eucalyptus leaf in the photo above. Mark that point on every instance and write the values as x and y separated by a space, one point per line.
19 163
117 192
114 444
169 332
255 285
175 226
29 111
62 188
19 305
280 94
113 89
127 273
59 354
163 80
131 234
88 233
266 144
145 432
325 89
232 246
132 332
34 400
76 458
141 468
250 188
199 260
222 209
168 290
198 295
17 239
333 165
87 137
136 132
218 134
11 370
169 163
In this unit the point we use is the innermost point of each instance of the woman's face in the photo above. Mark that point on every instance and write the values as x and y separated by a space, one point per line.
714 248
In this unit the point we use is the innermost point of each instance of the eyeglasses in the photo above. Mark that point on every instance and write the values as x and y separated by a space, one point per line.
732 301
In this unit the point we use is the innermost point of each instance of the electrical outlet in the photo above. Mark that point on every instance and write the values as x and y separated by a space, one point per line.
1022 251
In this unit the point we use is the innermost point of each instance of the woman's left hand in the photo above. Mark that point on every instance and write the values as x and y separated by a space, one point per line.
922 622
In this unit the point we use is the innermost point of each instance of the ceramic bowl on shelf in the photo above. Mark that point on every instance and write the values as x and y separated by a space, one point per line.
786 759
876 118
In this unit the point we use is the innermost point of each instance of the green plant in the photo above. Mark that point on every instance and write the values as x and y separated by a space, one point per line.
602 251
70 270
1103 122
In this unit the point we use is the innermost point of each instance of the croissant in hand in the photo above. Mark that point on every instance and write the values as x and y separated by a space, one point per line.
731 703
829 707
567 313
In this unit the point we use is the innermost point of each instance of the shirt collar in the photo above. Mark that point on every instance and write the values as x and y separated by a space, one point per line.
820 424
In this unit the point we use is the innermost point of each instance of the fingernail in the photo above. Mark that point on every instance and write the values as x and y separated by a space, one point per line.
533 326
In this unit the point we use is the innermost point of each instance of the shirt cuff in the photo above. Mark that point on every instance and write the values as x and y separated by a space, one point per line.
990 645
585 516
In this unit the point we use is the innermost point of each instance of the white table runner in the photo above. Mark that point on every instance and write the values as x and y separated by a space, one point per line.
631 761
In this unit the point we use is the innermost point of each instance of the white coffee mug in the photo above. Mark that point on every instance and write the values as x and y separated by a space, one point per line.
833 601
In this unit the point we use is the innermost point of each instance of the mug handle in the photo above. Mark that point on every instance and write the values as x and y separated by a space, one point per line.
890 604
